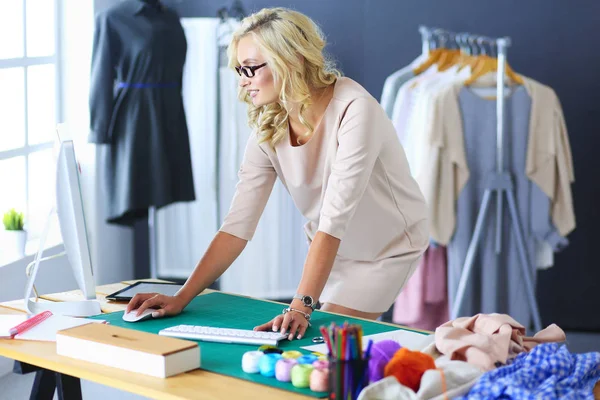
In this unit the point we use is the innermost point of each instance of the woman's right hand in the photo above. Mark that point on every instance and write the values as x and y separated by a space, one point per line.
165 305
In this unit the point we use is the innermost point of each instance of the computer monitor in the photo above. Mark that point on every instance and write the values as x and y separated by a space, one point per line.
71 217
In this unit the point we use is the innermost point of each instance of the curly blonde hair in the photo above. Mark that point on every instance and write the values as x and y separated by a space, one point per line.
283 35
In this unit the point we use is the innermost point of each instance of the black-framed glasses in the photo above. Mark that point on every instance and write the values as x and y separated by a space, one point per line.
249 71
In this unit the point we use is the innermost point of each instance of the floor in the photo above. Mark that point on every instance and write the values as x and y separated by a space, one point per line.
17 387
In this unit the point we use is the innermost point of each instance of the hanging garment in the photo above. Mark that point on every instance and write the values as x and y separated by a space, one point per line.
271 264
393 83
185 230
487 339
548 372
497 284
136 109
548 159
546 115
404 105
345 178
423 302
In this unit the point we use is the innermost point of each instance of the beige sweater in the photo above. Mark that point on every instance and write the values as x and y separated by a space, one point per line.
445 171
350 180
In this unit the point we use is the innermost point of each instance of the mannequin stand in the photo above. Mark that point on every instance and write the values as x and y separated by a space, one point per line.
152 242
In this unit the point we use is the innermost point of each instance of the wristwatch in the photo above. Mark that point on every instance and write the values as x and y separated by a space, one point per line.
307 301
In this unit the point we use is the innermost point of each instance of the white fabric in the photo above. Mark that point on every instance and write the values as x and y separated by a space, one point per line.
387 389
459 378
544 256
423 95
184 230
404 104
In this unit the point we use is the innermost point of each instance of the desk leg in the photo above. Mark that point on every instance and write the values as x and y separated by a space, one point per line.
68 387
44 383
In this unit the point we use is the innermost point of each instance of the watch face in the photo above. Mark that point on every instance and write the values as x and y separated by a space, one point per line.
308 301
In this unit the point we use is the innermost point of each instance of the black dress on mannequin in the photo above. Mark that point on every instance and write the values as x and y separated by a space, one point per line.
136 108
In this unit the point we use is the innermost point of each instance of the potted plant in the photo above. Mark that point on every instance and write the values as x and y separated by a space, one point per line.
14 237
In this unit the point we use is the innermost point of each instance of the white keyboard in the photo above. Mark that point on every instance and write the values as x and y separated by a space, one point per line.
223 335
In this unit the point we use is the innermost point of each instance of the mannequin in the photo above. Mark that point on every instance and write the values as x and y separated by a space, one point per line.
136 109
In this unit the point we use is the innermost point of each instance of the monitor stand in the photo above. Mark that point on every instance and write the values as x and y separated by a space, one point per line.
79 308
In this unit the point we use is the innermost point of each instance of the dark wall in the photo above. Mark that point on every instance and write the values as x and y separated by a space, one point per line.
554 42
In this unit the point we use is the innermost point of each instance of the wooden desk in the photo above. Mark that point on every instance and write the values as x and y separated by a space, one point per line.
197 384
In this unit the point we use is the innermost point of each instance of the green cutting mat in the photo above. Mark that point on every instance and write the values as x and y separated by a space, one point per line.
230 311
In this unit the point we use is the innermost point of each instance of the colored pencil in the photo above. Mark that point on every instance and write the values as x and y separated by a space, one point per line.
327 340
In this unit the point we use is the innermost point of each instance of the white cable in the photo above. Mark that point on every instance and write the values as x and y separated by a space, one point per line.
31 264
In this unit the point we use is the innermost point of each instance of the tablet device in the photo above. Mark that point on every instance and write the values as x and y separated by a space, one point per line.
126 294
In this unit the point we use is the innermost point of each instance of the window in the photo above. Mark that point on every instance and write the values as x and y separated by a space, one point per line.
29 111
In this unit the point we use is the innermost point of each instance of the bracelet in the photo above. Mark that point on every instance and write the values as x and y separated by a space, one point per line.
306 315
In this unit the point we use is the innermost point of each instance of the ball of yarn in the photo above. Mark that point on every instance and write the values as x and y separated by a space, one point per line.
301 375
283 369
266 364
291 354
319 380
250 361
381 353
307 359
321 364
319 377
408 367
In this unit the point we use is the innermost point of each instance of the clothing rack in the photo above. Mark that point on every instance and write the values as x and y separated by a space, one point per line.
500 182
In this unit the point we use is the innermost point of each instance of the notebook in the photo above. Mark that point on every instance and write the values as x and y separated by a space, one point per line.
8 323
41 327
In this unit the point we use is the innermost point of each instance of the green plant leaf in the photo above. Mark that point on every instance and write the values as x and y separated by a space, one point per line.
13 220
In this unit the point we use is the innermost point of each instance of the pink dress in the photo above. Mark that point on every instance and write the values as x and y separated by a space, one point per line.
352 181
423 303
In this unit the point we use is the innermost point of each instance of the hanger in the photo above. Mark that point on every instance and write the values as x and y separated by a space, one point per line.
466 52
434 55
223 15
488 62
236 10
451 56
474 56
486 65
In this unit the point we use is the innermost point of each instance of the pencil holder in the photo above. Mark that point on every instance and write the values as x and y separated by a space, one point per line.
347 378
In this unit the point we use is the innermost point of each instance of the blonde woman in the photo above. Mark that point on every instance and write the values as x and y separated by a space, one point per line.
333 147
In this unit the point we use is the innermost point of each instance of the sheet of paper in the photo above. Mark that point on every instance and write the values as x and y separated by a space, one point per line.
46 330
10 321
410 340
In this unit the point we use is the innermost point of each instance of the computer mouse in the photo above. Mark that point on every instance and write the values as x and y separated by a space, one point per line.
132 317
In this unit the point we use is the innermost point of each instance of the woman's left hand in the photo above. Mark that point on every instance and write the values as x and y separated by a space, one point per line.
292 322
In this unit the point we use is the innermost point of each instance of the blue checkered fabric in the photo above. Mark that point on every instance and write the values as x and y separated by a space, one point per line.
546 372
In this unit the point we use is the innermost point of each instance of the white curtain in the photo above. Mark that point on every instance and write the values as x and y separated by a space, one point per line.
184 230
271 264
